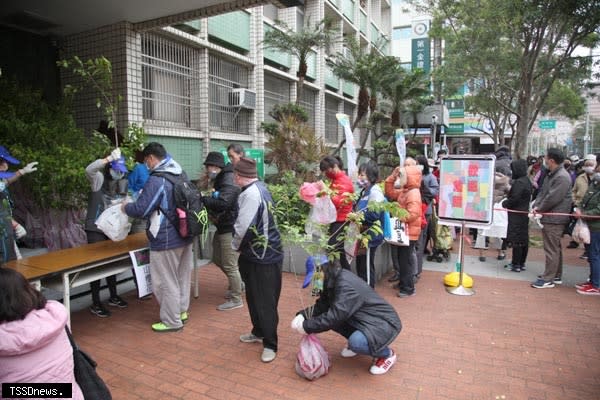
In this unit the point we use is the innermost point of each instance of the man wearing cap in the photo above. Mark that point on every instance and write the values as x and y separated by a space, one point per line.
108 184
223 210
10 229
257 240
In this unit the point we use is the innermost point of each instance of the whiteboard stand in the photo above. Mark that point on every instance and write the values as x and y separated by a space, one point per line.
460 290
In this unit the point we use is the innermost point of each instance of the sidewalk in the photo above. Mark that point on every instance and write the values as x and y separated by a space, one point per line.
508 341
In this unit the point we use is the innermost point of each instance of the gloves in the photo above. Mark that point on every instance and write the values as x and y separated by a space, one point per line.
114 155
29 168
19 230
297 324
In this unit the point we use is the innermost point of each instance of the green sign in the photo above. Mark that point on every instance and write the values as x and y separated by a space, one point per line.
456 107
547 124
454 128
421 51
256 154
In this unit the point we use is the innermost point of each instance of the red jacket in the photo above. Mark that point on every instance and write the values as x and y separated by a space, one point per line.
340 185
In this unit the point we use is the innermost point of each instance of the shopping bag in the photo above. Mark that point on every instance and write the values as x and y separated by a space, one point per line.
323 211
114 223
399 233
312 361
499 222
581 232
351 242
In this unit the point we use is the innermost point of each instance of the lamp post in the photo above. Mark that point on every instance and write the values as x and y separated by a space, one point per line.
433 132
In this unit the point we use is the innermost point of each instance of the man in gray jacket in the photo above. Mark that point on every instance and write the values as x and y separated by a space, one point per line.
554 197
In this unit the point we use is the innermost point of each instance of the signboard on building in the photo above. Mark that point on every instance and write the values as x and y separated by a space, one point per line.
455 128
547 124
421 54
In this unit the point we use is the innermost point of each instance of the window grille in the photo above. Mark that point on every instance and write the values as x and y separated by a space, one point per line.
277 91
308 102
170 82
223 76
332 127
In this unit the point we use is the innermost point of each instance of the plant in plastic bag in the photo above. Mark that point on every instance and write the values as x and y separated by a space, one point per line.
312 361
114 223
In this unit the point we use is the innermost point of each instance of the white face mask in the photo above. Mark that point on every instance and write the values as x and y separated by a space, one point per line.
588 170
116 175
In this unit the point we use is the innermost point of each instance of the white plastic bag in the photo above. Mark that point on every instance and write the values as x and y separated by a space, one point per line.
323 212
114 223
312 361
499 222
581 232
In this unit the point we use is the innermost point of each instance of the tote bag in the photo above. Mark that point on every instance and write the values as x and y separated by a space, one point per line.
398 234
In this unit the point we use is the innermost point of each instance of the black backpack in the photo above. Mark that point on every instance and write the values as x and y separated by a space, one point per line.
191 215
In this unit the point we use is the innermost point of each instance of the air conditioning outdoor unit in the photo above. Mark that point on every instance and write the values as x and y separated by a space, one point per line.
242 98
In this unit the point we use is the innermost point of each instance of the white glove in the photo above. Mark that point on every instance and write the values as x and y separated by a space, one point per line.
297 324
29 168
114 155
19 231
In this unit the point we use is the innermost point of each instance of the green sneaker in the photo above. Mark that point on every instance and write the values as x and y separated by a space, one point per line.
161 327
184 317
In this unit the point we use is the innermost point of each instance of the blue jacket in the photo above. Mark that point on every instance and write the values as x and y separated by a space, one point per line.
255 234
375 195
158 194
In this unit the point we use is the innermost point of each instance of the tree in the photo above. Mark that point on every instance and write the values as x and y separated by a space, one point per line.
299 44
515 51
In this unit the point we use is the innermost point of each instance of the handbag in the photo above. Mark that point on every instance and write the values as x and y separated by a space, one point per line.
92 386
399 233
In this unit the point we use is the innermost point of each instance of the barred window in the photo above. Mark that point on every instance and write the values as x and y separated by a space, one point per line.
169 82
277 91
308 102
332 127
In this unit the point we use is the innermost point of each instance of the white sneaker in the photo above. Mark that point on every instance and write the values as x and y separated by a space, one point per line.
383 365
347 353
268 355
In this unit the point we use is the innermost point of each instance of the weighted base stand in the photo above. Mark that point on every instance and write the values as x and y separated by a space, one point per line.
460 290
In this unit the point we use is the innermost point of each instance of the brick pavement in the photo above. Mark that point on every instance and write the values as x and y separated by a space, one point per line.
508 341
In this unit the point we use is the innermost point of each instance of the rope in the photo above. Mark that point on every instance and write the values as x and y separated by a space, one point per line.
583 216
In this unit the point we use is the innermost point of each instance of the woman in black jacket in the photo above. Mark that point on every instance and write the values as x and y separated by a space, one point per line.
517 233
354 310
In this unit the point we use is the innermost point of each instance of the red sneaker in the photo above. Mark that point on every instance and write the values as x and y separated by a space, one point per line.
583 285
383 365
589 290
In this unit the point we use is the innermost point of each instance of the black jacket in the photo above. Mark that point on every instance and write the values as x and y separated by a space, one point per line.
518 198
222 206
347 300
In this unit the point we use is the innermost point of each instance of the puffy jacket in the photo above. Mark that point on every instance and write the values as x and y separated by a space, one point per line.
341 184
347 299
255 234
375 195
222 206
555 197
590 205
409 198
36 349
580 187
158 195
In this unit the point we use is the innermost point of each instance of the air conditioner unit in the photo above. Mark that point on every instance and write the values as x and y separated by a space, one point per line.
242 98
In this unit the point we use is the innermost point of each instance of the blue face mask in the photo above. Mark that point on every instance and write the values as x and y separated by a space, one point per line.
362 183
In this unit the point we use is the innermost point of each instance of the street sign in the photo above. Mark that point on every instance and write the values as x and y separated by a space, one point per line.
547 124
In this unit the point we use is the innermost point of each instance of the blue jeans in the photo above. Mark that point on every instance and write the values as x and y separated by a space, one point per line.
357 342
594 258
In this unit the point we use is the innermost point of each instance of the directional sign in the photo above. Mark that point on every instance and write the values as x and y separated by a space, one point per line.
547 124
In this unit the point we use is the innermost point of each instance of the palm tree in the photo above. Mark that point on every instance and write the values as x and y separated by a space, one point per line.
300 43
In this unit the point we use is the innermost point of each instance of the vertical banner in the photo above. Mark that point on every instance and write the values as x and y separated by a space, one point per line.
141 271
401 145
350 146
421 54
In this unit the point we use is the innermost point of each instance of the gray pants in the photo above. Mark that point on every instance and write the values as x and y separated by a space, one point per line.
171 271
552 233
227 259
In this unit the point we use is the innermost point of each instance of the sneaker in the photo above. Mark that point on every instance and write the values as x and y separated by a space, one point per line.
347 353
557 281
572 245
383 365
99 311
542 284
250 338
268 355
394 278
589 290
404 294
184 317
583 284
516 268
117 302
501 256
583 256
508 266
162 328
230 305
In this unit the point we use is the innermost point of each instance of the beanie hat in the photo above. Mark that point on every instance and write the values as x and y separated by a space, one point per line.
215 158
246 167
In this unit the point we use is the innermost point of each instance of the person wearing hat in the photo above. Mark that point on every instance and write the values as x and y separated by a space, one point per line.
108 184
11 229
223 210
258 242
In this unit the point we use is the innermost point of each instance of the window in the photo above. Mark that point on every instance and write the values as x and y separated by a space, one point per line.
401 32
169 82
332 127
277 91
270 11
223 76
308 102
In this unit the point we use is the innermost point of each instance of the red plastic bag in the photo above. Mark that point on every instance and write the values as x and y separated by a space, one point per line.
312 361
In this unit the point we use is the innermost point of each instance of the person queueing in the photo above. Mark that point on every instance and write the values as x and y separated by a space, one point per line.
223 210
368 176
517 232
108 185
350 307
342 188
258 242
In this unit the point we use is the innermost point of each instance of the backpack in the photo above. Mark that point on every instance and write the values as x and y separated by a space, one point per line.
189 205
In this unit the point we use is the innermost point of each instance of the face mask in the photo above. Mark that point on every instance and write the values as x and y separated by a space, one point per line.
362 183
331 174
116 175
588 170
212 175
